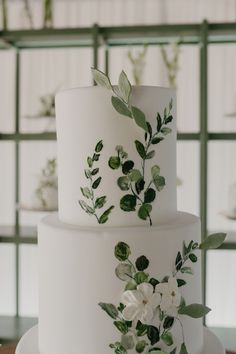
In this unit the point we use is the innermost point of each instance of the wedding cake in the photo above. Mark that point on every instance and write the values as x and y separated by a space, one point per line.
119 266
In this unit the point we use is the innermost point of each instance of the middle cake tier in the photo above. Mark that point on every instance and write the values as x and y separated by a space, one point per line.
110 169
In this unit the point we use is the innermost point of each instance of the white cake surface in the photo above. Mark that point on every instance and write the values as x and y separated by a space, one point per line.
76 272
85 116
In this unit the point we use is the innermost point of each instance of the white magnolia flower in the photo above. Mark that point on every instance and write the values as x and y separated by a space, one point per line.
140 303
170 296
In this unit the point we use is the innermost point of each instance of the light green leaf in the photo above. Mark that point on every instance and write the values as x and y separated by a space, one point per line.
140 346
101 79
100 202
86 192
127 341
166 130
167 338
86 207
213 241
194 310
121 326
114 162
135 175
159 182
124 271
124 183
141 277
187 270
183 349
87 173
90 161
139 118
131 286
155 170
104 217
120 106
110 309
124 86
144 211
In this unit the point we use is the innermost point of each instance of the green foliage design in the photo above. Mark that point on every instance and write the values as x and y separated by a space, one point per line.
94 203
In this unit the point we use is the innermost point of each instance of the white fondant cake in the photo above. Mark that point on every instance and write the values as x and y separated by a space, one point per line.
119 267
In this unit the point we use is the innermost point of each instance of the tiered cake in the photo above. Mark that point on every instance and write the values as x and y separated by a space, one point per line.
119 267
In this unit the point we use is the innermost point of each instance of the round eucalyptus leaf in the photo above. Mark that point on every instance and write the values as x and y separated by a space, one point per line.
142 263
124 183
124 271
155 170
168 322
144 211
193 257
128 202
153 334
127 341
135 175
127 166
167 338
114 162
140 346
139 185
122 251
149 195
141 277
159 182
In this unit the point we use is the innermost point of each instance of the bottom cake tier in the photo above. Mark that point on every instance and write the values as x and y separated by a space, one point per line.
103 290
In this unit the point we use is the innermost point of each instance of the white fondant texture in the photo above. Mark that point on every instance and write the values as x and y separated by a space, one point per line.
84 117
76 272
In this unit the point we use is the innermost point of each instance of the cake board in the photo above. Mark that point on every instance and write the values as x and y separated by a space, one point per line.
29 343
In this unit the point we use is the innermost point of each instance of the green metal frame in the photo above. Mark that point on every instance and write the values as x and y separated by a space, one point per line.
202 35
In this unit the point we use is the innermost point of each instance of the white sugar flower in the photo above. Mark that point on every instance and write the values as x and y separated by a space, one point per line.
170 296
140 303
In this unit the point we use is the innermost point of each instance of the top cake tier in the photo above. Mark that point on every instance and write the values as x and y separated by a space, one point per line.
111 171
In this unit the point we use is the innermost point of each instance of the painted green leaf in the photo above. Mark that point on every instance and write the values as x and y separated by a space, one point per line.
178 261
194 310
96 182
144 211
139 185
140 149
86 207
90 161
149 195
96 157
122 251
127 166
155 170
213 241
149 128
139 118
171 104
86 192
121 326
141 329
100 202
87 173
135 175
154 282
127 341
94 171
104 217
120 107
173 351
157 140
159 182
193 257
110 309
131 285
184 249
118 348
168 119
168 322
124 271
121 307
166 130
101 79
124 183
187 270
99 146
159 122
142 263
153 334
114 162
140 346
150 155
124 86
141 277
181 282
167 338
183 349
128 202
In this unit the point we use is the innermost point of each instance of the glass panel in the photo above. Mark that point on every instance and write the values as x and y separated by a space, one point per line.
7 91
7 276
188 176
7 185
222 90
34 193
221 288
221 186
45 72
28 267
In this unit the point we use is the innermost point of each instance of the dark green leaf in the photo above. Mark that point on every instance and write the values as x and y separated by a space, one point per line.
153 334
193 257
124 86
131 285
141 277
190 245
124 271
154 282
120 106
139 118
110 309
168 322
187 270
183 349
100 202
121 326
104 217
101 79
122 251
124 183
94 171
96 182
159 182
167 338
86 207
128 202
118 347
141 329
194 310
149 195
139 185
99 146
168 119
159 122
96 157
140 346
140 148
114 162
121 307
185 249
213 241
142 263
157 140
144 211
178 261
127 166
181 282
150 155
90 161
149 128
86 192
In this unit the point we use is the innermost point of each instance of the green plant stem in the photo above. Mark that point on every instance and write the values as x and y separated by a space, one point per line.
91 189
182 328
4 15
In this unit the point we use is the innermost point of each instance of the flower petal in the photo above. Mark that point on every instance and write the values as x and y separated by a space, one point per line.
132 297
166 302
162 288
173 285
172 311
146 290
177 299
155 300
130 312
147 314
